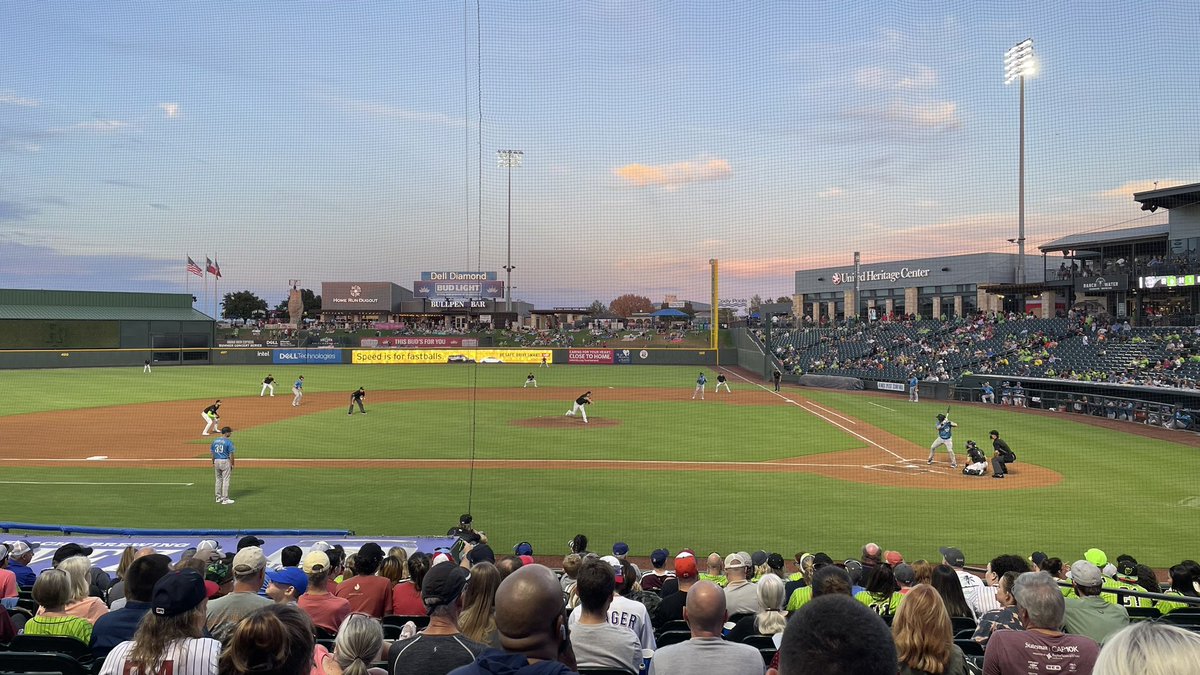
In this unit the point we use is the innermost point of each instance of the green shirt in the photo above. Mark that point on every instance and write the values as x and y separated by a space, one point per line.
883 607
799 597
61 626
719 580
1094 617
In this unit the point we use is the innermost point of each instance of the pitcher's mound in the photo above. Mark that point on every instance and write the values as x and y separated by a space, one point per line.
564 422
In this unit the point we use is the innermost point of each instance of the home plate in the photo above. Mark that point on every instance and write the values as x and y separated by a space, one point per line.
97 458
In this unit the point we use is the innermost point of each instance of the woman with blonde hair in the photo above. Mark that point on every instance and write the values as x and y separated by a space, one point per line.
773 619
478 618
392 569
52 591
923 636
400 554
80 604
1149 648
358 645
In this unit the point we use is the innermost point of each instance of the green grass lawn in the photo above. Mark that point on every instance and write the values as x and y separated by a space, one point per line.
1120 492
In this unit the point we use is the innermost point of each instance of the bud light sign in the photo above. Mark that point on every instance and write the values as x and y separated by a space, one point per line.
306 356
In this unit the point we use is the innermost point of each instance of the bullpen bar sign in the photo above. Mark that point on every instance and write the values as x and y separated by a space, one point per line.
589 356
487 289
306 356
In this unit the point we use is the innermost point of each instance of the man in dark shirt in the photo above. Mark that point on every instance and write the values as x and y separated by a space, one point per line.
439 648
268 385
584 400
466 532
211 417
119 625
778 377
1002 455
357 397
671 607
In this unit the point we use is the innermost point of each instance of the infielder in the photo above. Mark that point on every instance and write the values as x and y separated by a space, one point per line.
700 382
268 385
945 429
357 397
914 384
530 380
585 399
222 457
211 417
298 391
721 382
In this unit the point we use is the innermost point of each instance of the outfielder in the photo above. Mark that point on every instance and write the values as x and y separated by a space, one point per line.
544 363
357 397
211 417
914 385
298 391
945 429
268 385
146 367
700 382
721 382
222 457
585 399
530 380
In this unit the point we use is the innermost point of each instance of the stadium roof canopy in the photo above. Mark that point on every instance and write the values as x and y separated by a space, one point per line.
1169 198
97 306
1088 240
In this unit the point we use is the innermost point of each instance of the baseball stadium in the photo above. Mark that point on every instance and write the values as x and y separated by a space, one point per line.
274 279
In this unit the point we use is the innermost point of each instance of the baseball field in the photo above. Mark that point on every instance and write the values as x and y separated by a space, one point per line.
803 469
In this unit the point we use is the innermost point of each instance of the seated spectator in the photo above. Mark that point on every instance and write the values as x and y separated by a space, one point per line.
81 604
1183 582
478 619
715 571
532 640
224 613
52 591
740 596
441 647
359 643
273 640
1004 618
98 580
117 594
406 595
392 569
773 618
400 554
923 636
832 580
570 564
880 592
117 590
1149 648
1040 607
836 635
707 651
653 580
1087 613
509 564
286 585
946 583
671 607
366 592
973 589
19 555
906 577
325 609
8 579
170 638
598 643
802 595
628 614
120 625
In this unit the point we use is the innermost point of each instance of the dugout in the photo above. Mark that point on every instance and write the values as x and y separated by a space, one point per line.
45 328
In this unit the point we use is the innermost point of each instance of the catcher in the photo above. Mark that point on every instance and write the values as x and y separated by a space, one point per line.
211 417
976 462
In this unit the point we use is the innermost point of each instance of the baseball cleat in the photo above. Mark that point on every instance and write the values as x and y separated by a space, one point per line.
226 501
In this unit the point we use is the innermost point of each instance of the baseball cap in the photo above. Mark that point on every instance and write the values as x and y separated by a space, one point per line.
953 556
775 561
249 560
70 551
620 548
315 562
218 572
1085 573
1096 557
441 557
481 553
758 558
209 550
821 559
658 557
616 565
178 592
685 567
893 558
1038 558
289 576
211 588
464 519
370 549
523 548
3 551
736 560
442 585
320 546
19 548
527 559
1127 570
249 540
905 574
854 568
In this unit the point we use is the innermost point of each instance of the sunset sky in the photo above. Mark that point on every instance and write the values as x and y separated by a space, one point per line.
357 141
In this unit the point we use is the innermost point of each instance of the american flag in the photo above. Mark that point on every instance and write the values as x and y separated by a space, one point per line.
194 268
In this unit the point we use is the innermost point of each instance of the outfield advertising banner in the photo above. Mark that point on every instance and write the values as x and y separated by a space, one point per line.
306 356
458 289
402 356
589 356
890 386
622 357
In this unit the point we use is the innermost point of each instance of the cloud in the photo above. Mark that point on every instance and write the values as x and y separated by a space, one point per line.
25 265
1127 190
103 126
170 109
938 116
391 112
12 98
671 176
11 211
876 78
830 192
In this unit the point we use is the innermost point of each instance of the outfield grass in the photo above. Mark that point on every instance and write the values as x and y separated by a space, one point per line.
1120 492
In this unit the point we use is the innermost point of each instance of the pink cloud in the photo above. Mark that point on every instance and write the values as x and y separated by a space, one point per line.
671 176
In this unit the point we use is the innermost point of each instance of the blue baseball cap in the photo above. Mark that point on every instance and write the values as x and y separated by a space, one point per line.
523 548
289 576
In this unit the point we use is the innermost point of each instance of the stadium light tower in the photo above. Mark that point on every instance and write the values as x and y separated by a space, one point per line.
1019 62
509 159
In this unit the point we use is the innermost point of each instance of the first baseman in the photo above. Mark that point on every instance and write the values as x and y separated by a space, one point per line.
585 399
298 391
222 458
721 382
268 385
945 429
211 417
357 397
530 380
700 382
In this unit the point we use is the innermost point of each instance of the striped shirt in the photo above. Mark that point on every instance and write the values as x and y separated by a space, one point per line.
62 626
189 656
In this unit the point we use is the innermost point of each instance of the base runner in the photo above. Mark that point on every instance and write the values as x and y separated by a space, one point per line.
700 382
298 391
584 400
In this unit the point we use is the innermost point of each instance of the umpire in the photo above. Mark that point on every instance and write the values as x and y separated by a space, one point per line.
1002 455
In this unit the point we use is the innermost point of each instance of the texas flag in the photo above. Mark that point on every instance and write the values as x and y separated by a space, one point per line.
209 266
